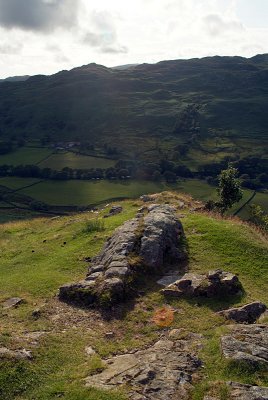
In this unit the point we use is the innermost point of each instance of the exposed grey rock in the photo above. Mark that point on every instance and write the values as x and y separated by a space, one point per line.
90 351
151 242
160 372
113 211
12 302
169 278
146 198
215 283
245 314
160 235
247 392
247 343
8 354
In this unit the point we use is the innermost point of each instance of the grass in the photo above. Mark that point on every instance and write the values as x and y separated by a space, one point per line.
17 183
85 192
73 160
25 155
37 256
81 193
94 225
259 199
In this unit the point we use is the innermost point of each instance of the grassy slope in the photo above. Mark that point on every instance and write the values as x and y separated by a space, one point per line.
213 243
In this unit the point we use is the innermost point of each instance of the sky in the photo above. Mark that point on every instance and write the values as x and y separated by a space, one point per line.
46 36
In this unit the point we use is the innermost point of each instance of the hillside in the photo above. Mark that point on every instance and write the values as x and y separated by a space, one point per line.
69 344
217 102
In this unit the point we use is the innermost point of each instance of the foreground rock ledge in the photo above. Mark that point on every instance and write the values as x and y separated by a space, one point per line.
160 372
142 244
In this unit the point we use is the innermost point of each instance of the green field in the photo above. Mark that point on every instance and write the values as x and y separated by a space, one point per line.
82 193
260 199
17 183
76 161
87 192
25 155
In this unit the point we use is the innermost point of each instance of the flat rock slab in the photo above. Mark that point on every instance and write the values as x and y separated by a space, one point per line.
12 302
160 372
247 392
245 314
247 343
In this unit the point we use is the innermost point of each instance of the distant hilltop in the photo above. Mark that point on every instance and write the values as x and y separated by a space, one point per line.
16 78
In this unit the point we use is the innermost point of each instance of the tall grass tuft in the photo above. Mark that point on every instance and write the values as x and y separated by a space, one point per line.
94 225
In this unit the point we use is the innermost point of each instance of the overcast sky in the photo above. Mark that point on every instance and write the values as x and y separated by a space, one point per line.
46 36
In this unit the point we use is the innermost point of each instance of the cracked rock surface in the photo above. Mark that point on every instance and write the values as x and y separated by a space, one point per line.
247 343
247 392
152 238
162 371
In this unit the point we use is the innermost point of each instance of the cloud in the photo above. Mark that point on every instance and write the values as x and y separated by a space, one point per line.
103 34
38 15
114 50
14 48
216 26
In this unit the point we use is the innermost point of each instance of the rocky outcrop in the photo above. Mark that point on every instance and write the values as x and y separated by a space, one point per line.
239 391
144 243
215 283
162 371
247 343
245 314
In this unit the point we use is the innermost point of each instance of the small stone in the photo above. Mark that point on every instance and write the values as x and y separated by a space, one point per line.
145 198
90 351
36 313
109 335
12 302
177 333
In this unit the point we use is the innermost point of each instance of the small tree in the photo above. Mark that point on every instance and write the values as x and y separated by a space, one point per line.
229 189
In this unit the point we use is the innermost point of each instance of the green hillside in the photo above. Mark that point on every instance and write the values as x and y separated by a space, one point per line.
37 256
145 104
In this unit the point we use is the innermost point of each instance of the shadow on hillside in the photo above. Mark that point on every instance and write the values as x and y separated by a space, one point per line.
145 286
218 303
